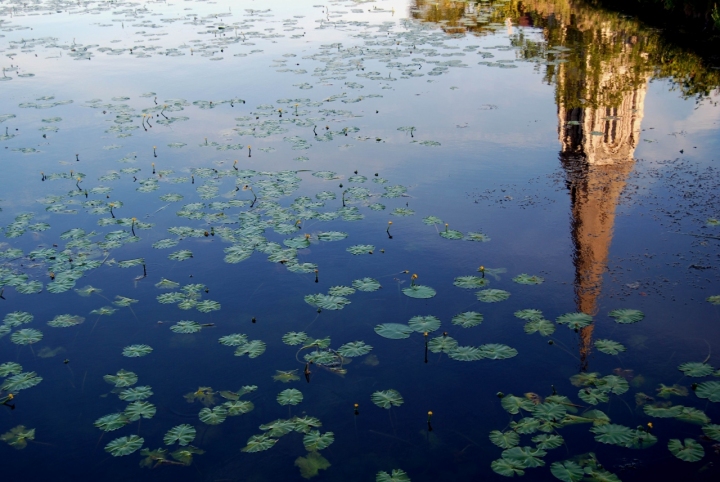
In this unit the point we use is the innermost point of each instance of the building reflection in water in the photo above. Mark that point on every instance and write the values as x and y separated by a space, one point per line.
600 68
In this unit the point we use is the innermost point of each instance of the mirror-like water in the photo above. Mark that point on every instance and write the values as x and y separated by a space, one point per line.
424 241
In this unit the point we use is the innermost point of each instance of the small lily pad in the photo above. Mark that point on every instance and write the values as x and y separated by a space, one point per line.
492 295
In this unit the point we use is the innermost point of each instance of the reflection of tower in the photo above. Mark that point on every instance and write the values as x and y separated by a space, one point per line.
598 143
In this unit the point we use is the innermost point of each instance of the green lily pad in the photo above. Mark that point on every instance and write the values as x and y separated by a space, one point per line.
361 249
291 396
259 443
134 351
696 369
109 423
442 344
593 396
136 393
467 319
124 445
422 324
236 339
547 441
693 415
387 398
549 411
327 302
135 410
294 338
395 475
214 416
712 431
471 282
182 255
613 434
504 440
575 321
507 468
513 404
366 284
122 379
354 349
17 318
542 326
525 456
567 471
341 291
466 353
478 237
526 279
186 327
419 291
10 368
451 234
238 407
394 331
663 412
21 381
333 236
182 434
525 425
626 316
691 451
432 220
609 347
709 390
641 440
314 440
252 349
497 351
492 295
26 336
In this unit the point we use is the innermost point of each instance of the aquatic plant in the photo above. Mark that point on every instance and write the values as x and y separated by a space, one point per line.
626 316
124 445
182 434
395 475
18 437
387 398
492 295
690 451
311 465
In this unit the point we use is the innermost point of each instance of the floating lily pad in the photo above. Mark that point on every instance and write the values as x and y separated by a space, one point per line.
504 440
133 351
497 351
354 349
395 475
451 234
366 284
609 347
529 314
394 331
507 468
124 445
419 291
182 434
314 440
547 441
471 282
291 396
122 379
422 324
387 398
525 457
135 410
252 349
294 338
544 327
186 327
709 390
613 434
341 290
696 369
575 321
333 236
214 416
26 336
467 319
526 279
567 471
691 451
361 249
136 393
492 295
466 353
259 443
432 220
327 302
626 316
442 344
114 421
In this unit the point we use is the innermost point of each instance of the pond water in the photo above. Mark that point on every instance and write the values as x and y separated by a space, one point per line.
389 241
